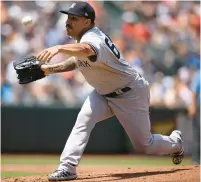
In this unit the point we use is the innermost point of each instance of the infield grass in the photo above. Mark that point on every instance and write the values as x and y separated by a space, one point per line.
113 160
92 160
7 174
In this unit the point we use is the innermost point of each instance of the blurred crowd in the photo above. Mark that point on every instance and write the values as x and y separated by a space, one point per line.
161 39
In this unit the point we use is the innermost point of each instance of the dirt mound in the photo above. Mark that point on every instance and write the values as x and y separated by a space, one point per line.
127 174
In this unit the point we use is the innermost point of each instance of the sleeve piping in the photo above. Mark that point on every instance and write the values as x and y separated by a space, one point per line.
94 48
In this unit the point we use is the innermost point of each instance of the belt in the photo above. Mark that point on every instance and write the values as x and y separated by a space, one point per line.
118 92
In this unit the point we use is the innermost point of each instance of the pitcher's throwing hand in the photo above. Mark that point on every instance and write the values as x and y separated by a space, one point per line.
47 54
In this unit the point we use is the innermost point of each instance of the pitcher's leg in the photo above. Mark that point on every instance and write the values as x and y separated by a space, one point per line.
137 126
95 109
132 110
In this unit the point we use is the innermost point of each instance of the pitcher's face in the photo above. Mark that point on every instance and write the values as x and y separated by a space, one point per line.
75 25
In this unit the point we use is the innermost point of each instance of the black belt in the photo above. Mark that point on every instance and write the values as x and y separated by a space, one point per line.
118 92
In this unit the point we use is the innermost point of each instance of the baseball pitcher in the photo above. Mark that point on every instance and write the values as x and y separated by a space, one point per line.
118 90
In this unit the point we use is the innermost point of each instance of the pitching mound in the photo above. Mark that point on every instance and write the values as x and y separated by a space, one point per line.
149 174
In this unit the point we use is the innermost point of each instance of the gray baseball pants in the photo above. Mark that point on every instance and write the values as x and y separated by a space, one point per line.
132 110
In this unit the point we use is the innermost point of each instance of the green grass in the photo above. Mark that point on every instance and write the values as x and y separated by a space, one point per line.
107 160
131 161
139 161
18 174
35 160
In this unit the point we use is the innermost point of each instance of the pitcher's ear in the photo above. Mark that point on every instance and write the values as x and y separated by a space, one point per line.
87 21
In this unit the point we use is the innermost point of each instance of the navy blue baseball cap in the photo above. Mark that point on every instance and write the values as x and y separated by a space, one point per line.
82 9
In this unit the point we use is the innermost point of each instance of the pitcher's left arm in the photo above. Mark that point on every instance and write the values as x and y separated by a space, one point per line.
80 50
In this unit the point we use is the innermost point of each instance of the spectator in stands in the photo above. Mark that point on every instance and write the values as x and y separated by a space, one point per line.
157 38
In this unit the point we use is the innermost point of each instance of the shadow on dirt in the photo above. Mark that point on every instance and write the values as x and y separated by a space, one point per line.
120 176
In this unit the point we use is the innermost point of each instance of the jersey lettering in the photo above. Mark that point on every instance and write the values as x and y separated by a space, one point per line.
112 47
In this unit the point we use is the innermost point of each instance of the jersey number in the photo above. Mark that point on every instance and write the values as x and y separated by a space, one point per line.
112 47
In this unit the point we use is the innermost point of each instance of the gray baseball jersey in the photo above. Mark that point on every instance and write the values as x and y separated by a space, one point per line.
110 71
106 74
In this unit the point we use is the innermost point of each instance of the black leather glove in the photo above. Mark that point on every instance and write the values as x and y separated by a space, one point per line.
28 70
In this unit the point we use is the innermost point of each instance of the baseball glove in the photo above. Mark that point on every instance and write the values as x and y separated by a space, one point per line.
28 70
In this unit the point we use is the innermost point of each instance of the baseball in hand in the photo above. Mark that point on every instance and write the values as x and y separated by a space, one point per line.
27 20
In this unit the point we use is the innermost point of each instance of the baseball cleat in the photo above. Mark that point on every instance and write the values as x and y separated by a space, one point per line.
61 175
178 156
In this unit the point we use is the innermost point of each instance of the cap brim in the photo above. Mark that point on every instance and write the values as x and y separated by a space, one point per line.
70 13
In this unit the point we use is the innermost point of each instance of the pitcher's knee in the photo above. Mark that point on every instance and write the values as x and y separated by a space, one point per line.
145 149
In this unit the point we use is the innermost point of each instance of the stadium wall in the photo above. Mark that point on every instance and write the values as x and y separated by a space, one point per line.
45 130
